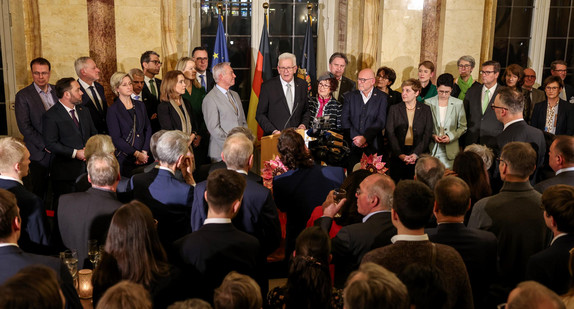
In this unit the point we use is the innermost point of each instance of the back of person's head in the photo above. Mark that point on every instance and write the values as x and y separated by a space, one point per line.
520 158
223 188
171 146
452 196
99 143
429 170
237 291
237 150
413 202
8 213
469 167
125 295
103 169
12 151
425 286
242 130
373 286
193 303
564 146
513 99
558 202
292 150
32 287
349 213
382 187
309 281
533 295
485 153
153 142
134 243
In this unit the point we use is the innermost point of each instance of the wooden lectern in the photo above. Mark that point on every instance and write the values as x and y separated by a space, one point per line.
269 146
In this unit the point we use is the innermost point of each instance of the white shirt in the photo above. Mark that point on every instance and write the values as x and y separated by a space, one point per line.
284 84
511 122
368 97
217 221
86 87
558 236
365 218
491 91
8 244
566 169
11 178
409 238
146 81
139 96
166 169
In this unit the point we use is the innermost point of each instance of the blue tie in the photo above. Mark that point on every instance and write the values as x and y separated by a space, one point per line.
202 81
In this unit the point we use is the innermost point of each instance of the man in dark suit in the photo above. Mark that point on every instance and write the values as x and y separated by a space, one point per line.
482 125
355 240
283 99
550 266
84 216
508 106
364 117
151 91
30 105
217 248
12 258
477 248
94 98
561 160
560 68
258 214
168 198
203 75
67 126
14 164
337 64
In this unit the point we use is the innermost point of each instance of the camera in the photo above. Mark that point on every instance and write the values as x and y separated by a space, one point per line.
329 146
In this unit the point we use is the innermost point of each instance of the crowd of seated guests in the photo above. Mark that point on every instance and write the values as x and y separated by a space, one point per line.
464 216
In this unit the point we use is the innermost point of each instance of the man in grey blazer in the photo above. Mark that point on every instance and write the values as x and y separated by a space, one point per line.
222 109
31 103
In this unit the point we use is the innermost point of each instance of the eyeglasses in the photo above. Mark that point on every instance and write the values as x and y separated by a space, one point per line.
500 159
529 76
486 72
321 85
362 80
286 68
156 62
358 192
382 77
41 73
495 107
445 92
560 71
464 66
201 59
552 88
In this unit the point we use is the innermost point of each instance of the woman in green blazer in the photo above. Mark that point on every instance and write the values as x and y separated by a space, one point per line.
449 121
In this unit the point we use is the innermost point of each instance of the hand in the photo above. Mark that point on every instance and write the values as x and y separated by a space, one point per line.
46 150
449 172
141 157
445 139
301 126
437 138
187 166
359 141
276 132
154 116
80 155
332 209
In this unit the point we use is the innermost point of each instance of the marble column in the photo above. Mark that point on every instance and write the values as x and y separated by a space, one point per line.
169 33
342 26
430 32
487 31
32 33
368 56
102 38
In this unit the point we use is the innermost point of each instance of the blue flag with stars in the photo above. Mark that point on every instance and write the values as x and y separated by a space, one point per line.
220 48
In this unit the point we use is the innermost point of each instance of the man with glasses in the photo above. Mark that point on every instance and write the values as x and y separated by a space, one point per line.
151 91
482 125
364 117
94 98
560 68
30 105
536 95
203 75
283 99
465 66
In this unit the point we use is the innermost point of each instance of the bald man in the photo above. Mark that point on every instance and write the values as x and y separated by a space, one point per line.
364 117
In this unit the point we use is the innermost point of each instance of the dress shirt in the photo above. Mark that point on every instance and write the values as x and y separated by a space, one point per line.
11 178
146 80
136 96
86 86
399 237
511 122
365 218
491 92
366 98
225 94
292 83
166 169
77 118
557 236
216 221
566 169
8 244
46 97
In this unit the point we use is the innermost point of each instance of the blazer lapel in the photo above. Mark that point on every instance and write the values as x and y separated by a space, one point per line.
561 113
448 115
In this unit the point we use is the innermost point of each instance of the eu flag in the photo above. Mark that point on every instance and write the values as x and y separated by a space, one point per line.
220 48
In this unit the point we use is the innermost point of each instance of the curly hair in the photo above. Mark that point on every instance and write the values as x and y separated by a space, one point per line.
292 150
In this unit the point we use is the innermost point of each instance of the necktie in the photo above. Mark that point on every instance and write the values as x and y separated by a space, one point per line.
485 100
73 114
289 97
230 98
95 96
202 81
152 88
137 97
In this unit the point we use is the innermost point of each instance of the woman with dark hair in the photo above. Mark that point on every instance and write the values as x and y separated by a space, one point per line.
409 129
449 121
554 115
304 186
324 106
308 283
513 78
133 252
469 167
384 80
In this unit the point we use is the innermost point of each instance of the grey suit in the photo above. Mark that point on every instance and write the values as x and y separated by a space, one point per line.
564 178
220 117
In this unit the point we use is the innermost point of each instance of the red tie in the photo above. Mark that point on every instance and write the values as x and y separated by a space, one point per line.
73 113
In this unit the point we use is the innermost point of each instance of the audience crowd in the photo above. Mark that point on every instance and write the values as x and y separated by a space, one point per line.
454 195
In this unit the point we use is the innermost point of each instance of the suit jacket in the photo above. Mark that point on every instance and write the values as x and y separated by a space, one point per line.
62 136
550 266
273 112
398 123
257 216
213 251
220 118
98 114
84 216
454 124
12 259
355 240
169 118
151 103
564 178
564 118
120 124
29 110
371 127
478 251
536 96
35 233
250 175
209 81
481 129
169 200
569 92
347 85
522 132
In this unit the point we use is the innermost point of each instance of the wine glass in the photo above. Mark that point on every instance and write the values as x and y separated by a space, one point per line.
338 195
93 252
70 258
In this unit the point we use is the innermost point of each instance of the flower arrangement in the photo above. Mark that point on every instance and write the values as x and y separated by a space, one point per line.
373 164
270 169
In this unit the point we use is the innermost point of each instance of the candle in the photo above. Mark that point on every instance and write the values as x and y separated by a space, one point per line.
85 283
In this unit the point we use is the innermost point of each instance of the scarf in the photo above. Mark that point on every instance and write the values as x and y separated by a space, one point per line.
183 117
464 86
